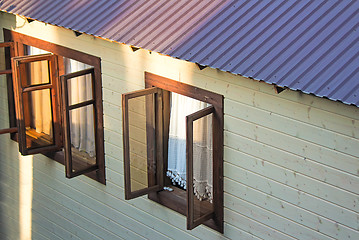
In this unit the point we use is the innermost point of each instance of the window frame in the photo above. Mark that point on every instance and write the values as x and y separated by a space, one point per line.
154 151
192 222
178 199
66 108
20 40
20 90
9 48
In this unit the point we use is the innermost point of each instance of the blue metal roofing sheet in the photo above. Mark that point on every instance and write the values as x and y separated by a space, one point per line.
311 46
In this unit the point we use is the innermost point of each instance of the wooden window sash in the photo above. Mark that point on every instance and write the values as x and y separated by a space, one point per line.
11 46
154 148
66 107
20 89
191 221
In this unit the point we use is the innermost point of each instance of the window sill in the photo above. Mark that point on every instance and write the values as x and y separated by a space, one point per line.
177 201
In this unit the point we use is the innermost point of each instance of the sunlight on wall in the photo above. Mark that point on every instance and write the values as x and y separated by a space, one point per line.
25 196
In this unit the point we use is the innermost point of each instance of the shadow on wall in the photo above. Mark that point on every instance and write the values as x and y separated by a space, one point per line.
17 189
9 166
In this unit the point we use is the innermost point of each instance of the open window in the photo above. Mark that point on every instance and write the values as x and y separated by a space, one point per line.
173 149
198 138
36 103
61 119
83 107
143 156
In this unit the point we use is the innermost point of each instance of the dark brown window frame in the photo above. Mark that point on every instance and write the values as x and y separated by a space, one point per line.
19 41
9 48
20 89
154 151
178 200
69 162
192 222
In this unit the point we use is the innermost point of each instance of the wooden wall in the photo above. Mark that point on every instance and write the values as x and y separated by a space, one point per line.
291 161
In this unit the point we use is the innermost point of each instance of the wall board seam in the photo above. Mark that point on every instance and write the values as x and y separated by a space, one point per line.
286 135
250 235
53 223
47 232
95 200
286 118
285 205
299 225
299 191
85 194
110 194
294 189
259 223
79 215
312 178
283 150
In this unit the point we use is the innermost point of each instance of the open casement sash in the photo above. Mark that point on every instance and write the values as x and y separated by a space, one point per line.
7 71
197 211
86 165
36 103
142 138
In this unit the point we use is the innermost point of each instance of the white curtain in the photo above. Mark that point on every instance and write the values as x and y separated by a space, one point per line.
82 119
181 106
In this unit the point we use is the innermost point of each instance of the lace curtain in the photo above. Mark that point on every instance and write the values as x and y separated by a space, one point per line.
79 89
181 106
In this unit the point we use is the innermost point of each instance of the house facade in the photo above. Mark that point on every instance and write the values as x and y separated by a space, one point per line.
290 159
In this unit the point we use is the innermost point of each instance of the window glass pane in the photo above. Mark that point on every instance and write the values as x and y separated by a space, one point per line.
35 73
79 88
138 142
82 134
38 118
202 166
181 106
30 50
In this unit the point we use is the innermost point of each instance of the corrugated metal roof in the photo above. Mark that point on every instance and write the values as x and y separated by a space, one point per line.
311 46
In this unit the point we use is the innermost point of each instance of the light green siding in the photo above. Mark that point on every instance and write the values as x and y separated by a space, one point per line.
291 160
